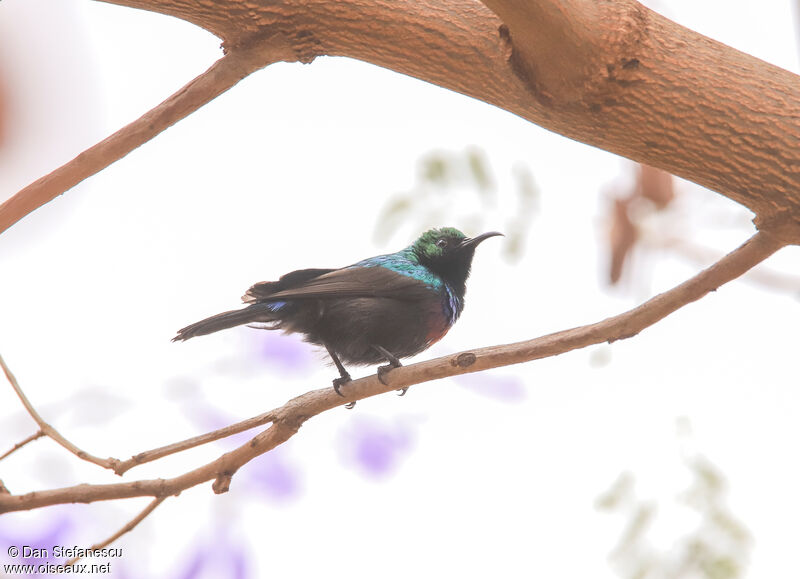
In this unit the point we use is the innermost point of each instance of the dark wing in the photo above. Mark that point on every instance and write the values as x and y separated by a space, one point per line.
266 289
354 282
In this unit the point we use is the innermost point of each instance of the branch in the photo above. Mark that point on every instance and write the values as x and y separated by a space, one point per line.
16 447
222 75
120 467
778 281
44 428
555 60
289 417
125 529
615 75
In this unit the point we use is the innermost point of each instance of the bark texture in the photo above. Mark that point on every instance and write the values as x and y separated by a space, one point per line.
610 73
613 74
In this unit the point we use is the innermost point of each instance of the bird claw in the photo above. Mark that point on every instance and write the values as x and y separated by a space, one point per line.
383 371
350 405
339 382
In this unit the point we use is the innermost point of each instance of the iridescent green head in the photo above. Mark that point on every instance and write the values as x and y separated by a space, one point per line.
448 252
433 244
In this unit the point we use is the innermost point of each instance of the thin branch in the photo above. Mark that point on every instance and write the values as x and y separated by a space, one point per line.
762 276
150 455
45 428
126 529
289 417
122 466
36 435
222 75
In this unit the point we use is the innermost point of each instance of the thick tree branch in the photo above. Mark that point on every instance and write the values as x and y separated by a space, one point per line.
222 75
556 60
289 417
611 74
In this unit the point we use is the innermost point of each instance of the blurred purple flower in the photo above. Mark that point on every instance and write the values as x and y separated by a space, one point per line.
272 474
376 447
47 530
216 557
287 353
503 388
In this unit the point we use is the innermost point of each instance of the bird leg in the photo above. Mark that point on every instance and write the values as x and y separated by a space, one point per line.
344 377
393 363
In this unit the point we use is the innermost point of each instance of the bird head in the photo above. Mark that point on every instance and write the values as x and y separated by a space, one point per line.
448 253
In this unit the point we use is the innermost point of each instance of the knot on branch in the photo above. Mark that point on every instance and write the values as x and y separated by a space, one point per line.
780 225
117 466
288 422
464 360
222 483
622 42
306 46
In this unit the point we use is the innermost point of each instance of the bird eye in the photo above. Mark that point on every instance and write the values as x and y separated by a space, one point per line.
441 243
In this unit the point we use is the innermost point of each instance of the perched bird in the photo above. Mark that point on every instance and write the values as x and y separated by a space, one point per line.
381 309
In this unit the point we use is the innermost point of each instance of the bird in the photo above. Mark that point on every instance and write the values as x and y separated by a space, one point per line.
380 309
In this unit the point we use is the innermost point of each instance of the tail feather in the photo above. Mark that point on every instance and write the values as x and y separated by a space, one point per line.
254 313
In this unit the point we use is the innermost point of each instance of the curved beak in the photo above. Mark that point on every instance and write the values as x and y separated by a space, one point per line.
472 242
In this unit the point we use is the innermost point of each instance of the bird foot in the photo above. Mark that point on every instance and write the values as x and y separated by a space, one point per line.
383 371
339 382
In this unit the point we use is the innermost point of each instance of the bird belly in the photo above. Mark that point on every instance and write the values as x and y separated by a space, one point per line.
353 326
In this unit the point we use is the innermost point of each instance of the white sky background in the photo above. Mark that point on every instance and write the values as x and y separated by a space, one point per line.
289 170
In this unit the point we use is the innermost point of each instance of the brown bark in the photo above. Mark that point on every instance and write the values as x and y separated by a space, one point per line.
612 74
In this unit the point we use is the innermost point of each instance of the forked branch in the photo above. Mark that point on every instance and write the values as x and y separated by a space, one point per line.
120 467
44 427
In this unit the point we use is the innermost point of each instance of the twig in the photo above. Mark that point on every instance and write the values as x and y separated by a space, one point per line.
46 429
19 445
289 417
126 529
766 278
222 75
122 466
156 453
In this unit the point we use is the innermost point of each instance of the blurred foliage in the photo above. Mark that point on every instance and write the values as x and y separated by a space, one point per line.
716 547
652 192
459 189
3 110
647 217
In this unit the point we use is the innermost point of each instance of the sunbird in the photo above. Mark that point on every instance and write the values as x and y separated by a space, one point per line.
380 309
